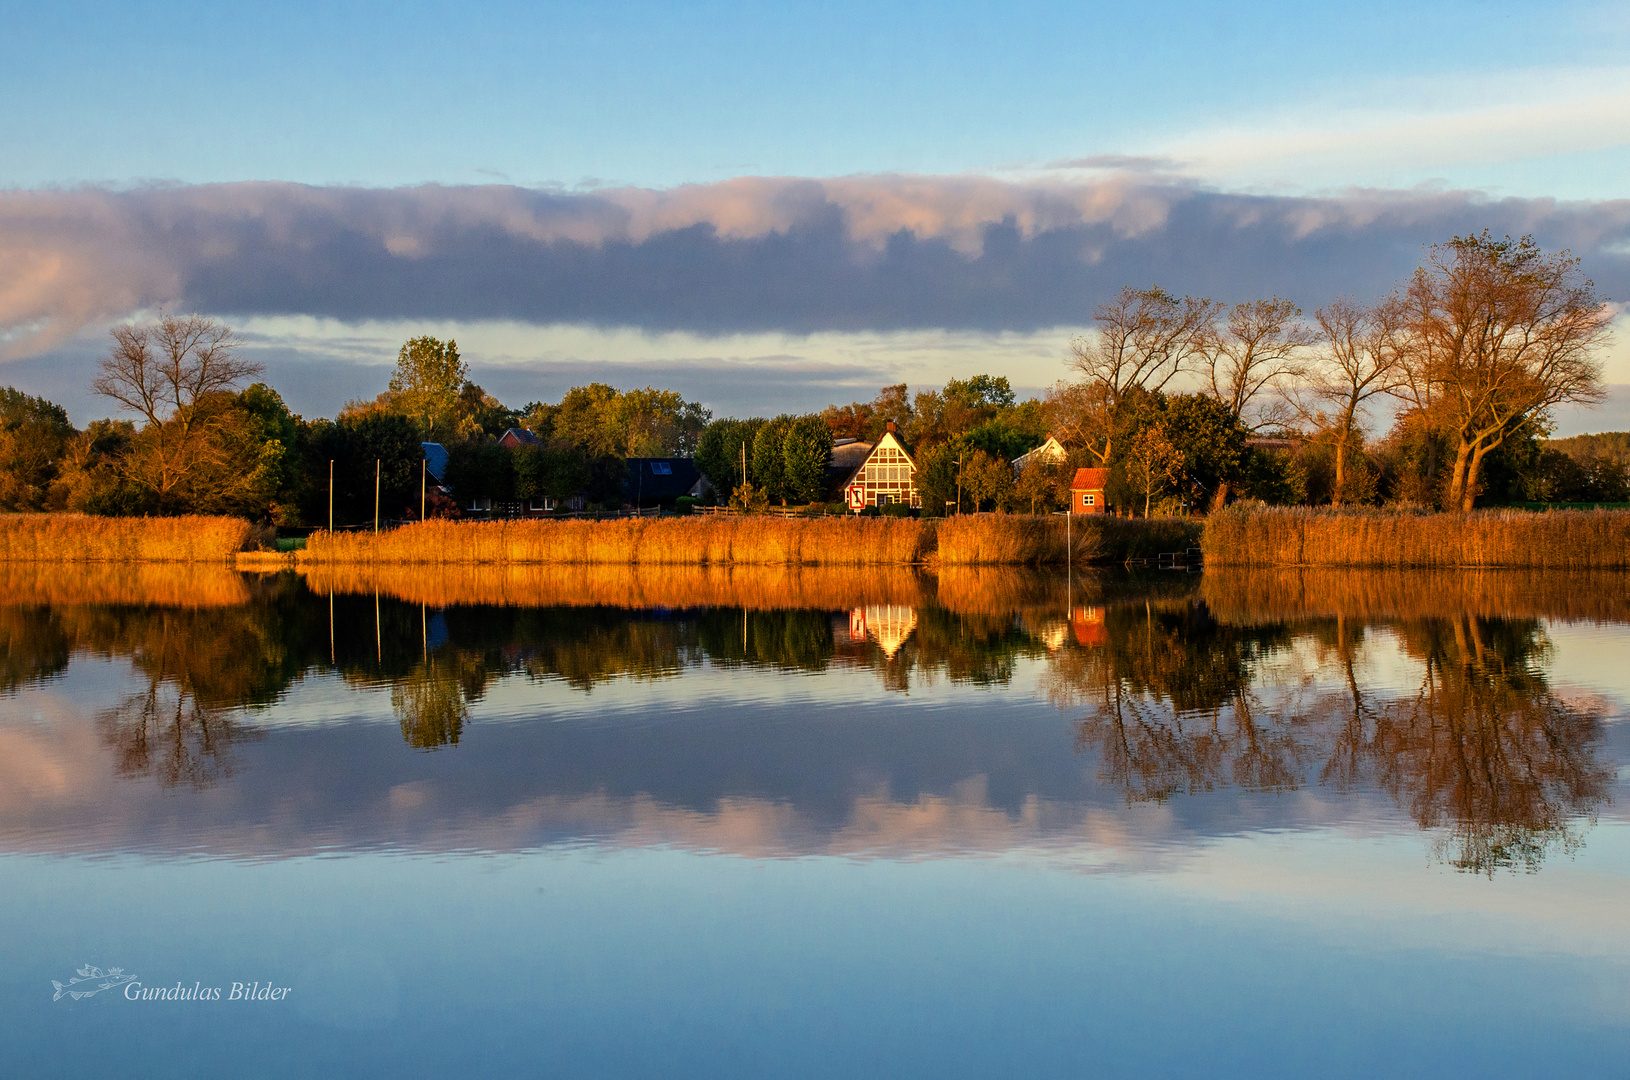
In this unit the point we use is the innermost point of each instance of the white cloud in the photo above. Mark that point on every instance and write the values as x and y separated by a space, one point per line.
1408 130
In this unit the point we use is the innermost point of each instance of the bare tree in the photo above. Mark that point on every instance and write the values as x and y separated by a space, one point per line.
1145 338
1362 359
1500 333
163 370
1261 346
172 373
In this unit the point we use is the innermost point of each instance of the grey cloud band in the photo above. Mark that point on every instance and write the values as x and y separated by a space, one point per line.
861 253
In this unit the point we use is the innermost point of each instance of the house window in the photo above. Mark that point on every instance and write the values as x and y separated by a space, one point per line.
480 504
1089 499
661 468
543 505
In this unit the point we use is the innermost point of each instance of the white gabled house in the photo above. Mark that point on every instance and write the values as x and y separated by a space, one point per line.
886 475
1050 451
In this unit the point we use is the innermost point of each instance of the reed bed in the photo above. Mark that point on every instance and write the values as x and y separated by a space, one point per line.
971 540
78 538
714 540
1298 536
178 585
1019 540
1253 596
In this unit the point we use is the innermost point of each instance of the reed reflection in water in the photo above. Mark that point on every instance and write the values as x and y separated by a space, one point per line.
1182 684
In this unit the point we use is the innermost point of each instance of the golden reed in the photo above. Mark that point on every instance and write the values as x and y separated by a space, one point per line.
81 538
971 540
762 541
1297 536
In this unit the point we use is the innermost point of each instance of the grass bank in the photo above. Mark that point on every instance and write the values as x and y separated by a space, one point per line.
973 540
78 538
1297 536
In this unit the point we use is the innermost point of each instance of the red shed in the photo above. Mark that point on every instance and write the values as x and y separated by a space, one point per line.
1087 491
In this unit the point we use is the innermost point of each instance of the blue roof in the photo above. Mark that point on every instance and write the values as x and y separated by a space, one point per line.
436 456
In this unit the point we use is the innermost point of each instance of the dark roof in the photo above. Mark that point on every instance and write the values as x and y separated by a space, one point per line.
847 456
1090 480
521 437
659 479
435 456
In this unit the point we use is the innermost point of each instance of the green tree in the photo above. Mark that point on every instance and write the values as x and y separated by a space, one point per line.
480 470
34 436
354 444
987 479
719 452
939 468
429 376
551 471
767 461
805 453
1210 438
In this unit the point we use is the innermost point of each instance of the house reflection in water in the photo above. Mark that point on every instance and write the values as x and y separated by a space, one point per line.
890 625
1087 624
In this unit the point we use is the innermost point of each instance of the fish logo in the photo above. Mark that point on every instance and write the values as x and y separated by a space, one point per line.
90 980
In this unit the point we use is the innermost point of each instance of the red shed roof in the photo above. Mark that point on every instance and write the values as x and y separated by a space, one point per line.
1090 480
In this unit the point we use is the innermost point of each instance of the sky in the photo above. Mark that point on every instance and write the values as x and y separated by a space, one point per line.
768 207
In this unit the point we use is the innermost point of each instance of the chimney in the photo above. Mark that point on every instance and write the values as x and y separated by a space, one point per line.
892 429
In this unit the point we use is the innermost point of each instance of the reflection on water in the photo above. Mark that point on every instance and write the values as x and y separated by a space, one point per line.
1042 710
1479 746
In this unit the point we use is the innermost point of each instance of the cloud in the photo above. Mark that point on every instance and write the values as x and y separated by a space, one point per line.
755 254
1422 126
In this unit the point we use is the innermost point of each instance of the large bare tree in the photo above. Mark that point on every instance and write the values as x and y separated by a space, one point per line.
173 373
1498 334
1262 346
1145 338
1361 359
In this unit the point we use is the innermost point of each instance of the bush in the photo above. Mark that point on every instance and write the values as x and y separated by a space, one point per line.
897 510
684 504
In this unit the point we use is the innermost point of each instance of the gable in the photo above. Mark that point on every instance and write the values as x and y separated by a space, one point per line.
888 450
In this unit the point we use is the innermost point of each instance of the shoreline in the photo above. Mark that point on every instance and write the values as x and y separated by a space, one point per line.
1242 536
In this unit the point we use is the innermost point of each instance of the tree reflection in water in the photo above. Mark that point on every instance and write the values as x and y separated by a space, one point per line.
1484 752
431 702
200 667
1271 697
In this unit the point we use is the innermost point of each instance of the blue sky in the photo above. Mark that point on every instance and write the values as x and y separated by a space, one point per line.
660 94
767 207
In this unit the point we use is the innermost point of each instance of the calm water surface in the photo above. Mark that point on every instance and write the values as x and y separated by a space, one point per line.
679 823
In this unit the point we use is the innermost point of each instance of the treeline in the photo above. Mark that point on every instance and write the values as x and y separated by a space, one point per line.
203 443
1471 356
1190 404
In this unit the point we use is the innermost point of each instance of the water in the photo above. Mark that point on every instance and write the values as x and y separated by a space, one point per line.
555 822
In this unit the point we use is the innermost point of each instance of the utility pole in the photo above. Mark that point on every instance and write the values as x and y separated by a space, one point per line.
331 495
376 495
424 467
